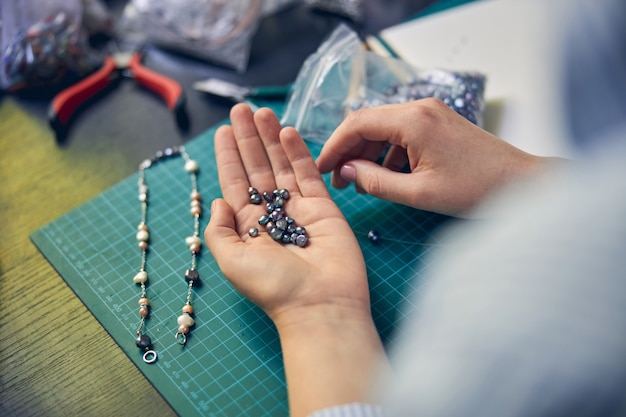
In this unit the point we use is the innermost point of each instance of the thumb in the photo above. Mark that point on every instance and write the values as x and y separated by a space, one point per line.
220 234
378 181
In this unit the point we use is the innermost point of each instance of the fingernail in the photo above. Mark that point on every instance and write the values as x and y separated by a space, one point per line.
213 204
348 173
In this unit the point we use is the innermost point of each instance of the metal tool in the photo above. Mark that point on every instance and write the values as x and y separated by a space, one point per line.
65 103
239 93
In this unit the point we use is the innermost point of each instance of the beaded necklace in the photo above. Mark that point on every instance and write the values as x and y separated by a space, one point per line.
185 320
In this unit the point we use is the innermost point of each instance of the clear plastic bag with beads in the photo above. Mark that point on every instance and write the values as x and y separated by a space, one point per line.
43 43
342 77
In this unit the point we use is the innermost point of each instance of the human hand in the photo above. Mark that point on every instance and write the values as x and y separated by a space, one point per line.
453 163
281 279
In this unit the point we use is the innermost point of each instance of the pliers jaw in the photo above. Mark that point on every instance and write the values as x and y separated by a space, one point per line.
67 102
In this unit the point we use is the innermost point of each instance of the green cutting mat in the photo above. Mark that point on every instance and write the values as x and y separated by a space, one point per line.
232 362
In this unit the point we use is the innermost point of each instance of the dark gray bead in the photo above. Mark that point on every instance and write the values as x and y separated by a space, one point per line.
279 202
302 240
373 236
143 342
290 220
268 197
286 237
270 207
253 232
276 233
255 199
281 224
192 275
264 219
252 190
284 194
300 230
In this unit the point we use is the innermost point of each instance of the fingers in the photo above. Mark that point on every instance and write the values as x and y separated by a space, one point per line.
269 129
384 183
350 139
251 149
308 178
232 175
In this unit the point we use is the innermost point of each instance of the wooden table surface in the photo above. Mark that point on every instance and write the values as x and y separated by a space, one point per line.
55 358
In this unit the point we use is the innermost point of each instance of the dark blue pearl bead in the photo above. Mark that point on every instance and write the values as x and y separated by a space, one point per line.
373 236
255 199
302 240
143 342
252 190
286 237
300 230
281 224
253 232
191 275
264 219
270 207
268 197
279 202
276 233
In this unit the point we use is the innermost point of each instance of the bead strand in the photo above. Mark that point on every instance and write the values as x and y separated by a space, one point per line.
185 321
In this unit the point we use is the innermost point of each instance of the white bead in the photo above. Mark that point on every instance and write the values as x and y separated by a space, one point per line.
193 240
143 197
143 236
141 277
185 320
196 211
191 166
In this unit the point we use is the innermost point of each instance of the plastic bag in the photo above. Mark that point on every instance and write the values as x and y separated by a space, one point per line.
341 77
213 30
43 43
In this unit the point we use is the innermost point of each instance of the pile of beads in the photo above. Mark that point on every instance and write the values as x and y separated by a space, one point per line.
461 91
279 226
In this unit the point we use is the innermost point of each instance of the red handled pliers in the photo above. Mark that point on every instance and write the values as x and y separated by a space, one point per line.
68 101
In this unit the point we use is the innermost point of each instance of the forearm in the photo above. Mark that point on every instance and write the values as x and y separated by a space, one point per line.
331 357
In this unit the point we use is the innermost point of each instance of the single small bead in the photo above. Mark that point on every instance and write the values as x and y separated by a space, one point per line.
185 320
252 190
300 230
282 224
187 309
142 227
192 275
284 194
192 240
253 232
143 341
145 164
195 195
276 193
276 233
141 277
373 236
270 207
143 301
279 202
182 329
191 166
268 197
143 197
302 240
255 199
264 219
143 236
195 203
143 245
195 248
196 211
286 237
143 311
